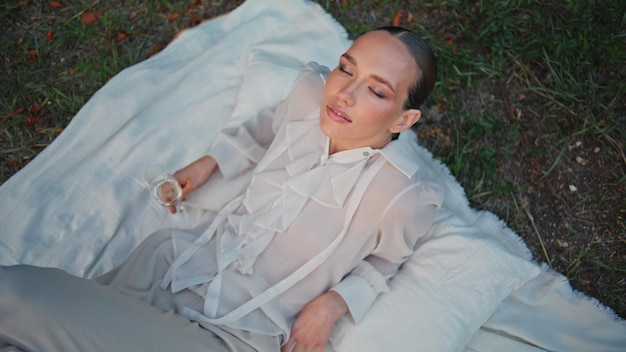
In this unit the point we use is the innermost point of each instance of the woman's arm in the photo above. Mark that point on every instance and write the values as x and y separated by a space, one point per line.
235 150
404 224
408 219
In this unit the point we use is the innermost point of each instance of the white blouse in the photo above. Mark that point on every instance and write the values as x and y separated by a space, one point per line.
308 222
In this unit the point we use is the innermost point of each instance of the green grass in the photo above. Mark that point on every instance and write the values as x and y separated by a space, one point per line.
568 56
52 62
521 84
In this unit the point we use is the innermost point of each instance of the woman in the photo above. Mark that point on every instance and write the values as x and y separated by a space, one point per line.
333 208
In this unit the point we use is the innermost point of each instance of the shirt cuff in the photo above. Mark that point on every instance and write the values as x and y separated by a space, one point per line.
229 162
358 295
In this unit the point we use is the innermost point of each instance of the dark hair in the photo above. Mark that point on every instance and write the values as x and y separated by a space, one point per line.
425 61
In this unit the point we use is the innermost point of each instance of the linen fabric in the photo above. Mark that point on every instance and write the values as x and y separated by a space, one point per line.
81 205
166 110
444 293
296 209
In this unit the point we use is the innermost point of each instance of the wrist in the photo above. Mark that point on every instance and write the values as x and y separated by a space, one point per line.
337 306
208 161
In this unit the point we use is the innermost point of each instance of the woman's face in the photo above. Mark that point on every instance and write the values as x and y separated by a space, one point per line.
363 102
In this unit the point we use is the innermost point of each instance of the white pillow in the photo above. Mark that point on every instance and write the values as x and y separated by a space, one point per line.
443 294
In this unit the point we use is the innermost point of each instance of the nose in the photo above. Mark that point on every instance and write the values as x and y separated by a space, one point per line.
346 94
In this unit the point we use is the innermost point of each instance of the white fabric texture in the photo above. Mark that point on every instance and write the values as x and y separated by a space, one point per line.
448 289
81 205
307 222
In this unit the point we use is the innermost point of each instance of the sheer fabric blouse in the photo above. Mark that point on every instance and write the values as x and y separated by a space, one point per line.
307 223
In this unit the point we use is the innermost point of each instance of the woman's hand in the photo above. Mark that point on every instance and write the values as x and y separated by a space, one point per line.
314 325
195 175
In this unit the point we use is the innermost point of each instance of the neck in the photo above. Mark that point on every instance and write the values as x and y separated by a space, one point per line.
336 146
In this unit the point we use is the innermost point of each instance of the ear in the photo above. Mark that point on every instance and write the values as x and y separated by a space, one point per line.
406 120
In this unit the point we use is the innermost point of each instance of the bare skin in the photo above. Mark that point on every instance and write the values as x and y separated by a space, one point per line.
195 175
314 325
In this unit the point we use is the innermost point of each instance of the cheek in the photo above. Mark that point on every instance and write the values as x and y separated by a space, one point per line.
332 84
376 112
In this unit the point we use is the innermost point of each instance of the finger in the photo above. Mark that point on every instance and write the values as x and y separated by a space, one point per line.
285 348
186 186
290 346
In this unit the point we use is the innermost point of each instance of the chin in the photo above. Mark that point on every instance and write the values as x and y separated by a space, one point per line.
328 126
325 129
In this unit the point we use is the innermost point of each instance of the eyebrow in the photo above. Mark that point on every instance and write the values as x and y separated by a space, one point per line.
375 77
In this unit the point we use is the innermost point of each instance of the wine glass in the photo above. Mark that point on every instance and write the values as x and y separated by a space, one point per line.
164 187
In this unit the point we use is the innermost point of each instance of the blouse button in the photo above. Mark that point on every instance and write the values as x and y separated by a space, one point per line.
366 153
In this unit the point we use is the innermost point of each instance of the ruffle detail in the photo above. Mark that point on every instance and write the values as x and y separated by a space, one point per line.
275 198
285 180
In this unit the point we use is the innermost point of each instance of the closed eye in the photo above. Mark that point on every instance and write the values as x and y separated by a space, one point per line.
377 93
344 70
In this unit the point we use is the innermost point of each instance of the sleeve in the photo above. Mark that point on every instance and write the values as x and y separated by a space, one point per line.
402 225
241 147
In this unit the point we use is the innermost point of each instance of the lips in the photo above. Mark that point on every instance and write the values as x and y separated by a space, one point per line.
337 115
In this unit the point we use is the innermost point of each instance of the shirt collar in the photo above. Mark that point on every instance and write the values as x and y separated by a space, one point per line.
399 153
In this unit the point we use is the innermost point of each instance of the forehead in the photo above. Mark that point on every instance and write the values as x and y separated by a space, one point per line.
381 54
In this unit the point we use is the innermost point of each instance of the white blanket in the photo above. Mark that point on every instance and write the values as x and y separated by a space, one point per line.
82 206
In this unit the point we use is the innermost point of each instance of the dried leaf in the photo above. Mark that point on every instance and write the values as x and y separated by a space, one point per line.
35 109
172 17
121 35
396 18
49 36
13 164
449 41
14 112
155 49
22 3
32 120
33 54
194 21
55 4
90 16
